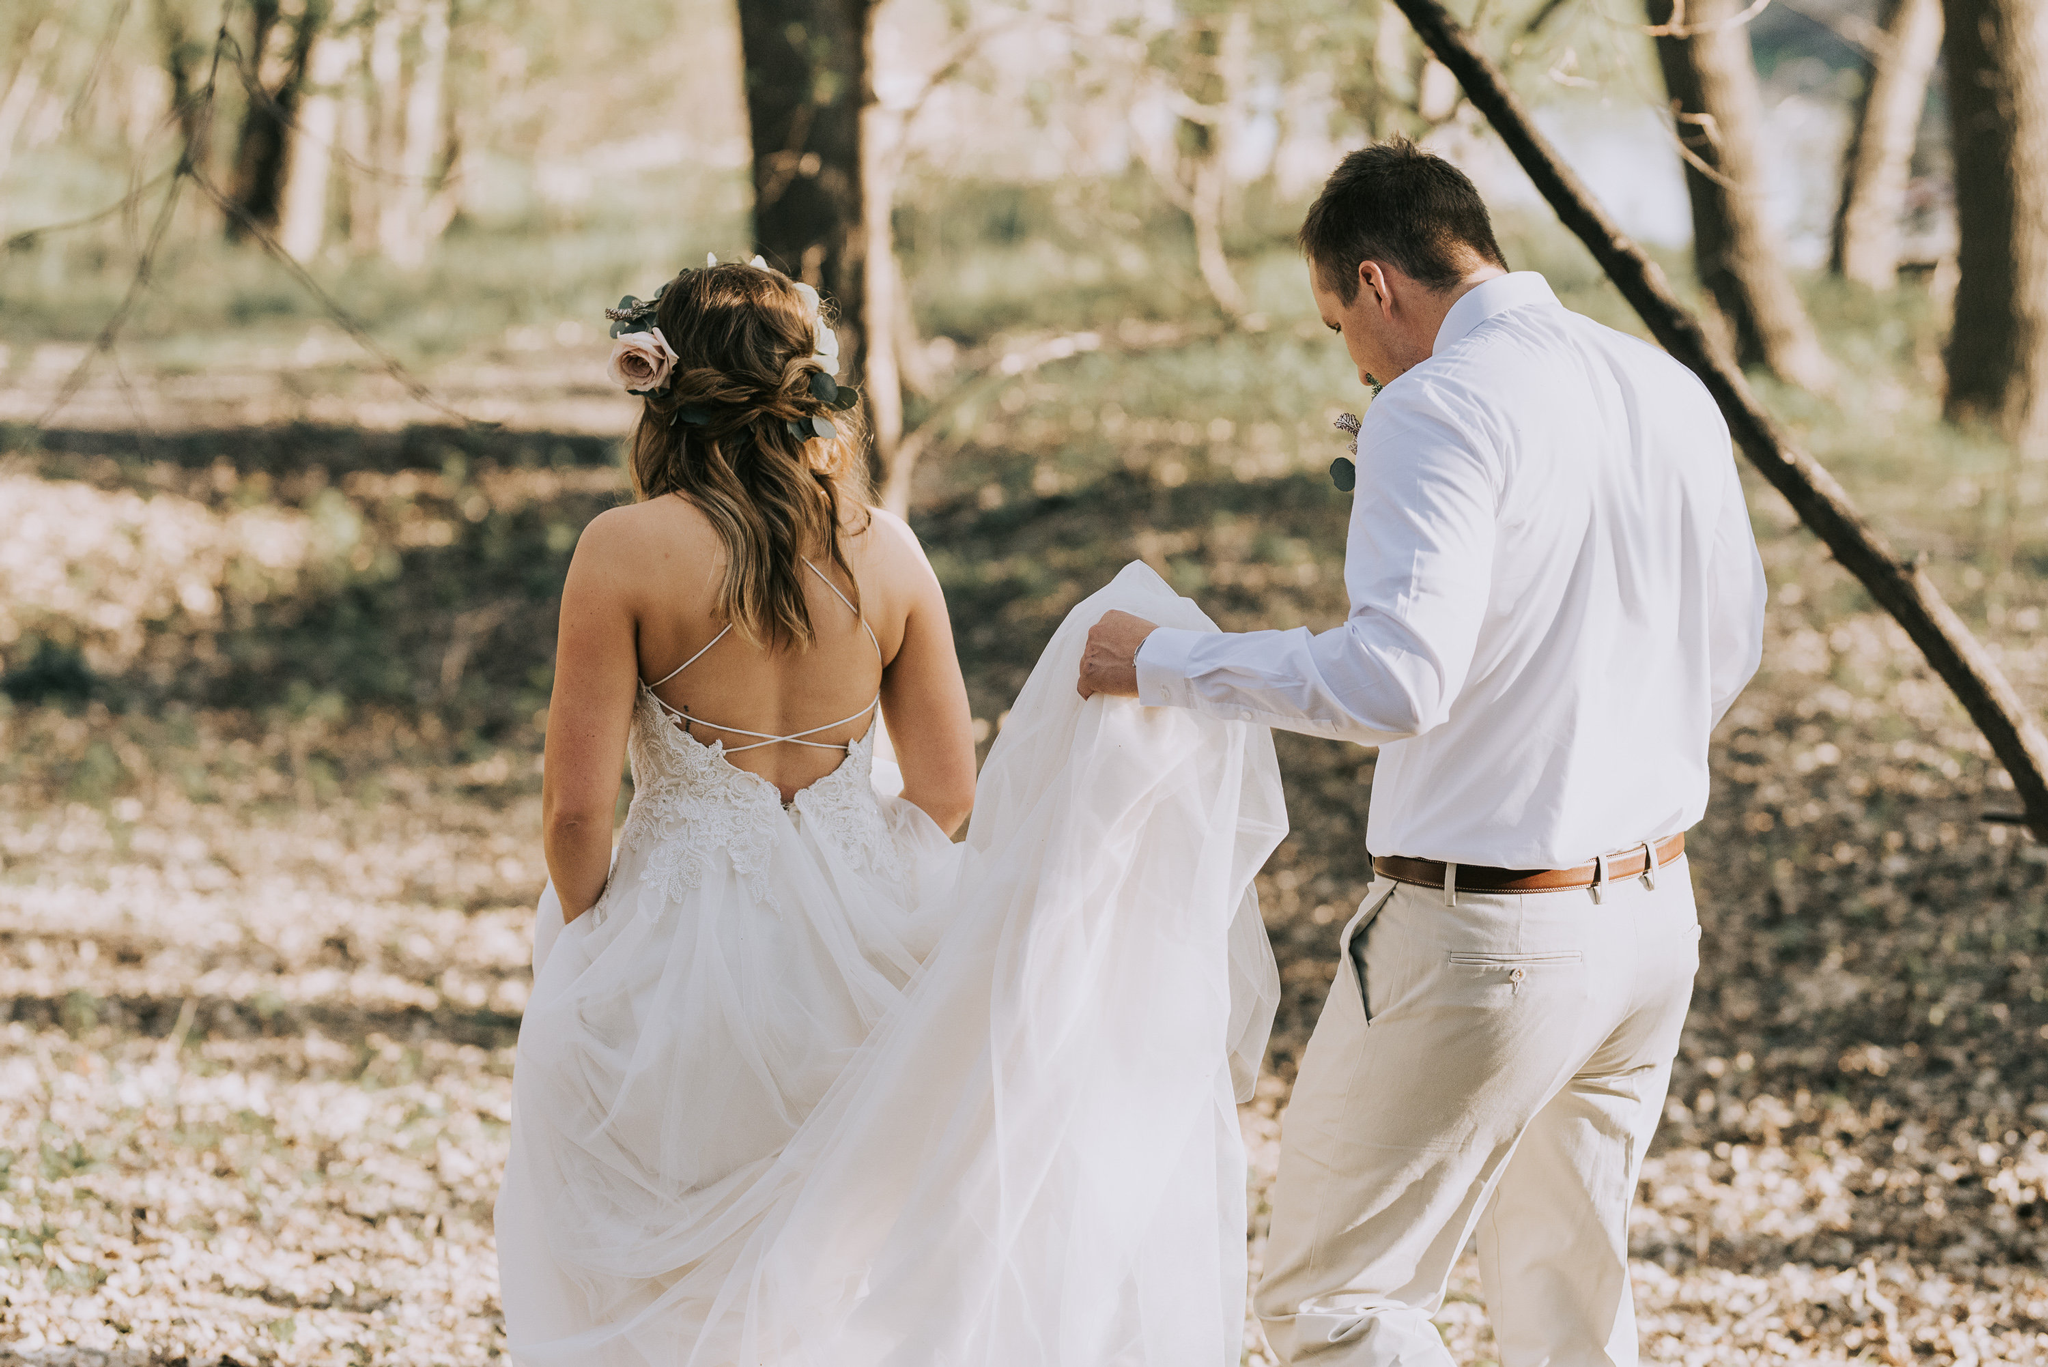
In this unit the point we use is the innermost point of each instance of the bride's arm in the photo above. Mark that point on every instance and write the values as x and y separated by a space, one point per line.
924 698
596 673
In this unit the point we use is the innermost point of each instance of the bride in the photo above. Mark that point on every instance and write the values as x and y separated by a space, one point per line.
803 1082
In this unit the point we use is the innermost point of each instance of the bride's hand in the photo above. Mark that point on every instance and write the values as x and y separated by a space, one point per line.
1110 663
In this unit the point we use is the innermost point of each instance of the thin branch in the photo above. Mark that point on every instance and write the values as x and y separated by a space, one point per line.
1853 29
27 237
1705 123
145 266
965 48
789 160
252 86
345 320
1542 16
1902 588
100 54
144 272
996 372
1678 28
187 168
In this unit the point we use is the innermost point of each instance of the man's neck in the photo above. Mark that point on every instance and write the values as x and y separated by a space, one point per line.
1445 301
1429 320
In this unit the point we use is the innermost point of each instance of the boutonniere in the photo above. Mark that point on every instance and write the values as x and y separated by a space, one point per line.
1344 469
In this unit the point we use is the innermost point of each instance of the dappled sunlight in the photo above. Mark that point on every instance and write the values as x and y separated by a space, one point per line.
278 608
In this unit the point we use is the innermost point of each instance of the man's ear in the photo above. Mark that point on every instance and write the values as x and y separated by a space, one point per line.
1372 277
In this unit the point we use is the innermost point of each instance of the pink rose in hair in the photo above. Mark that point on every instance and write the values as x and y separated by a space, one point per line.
641 361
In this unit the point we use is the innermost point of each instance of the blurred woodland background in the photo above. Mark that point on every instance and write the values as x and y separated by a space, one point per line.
302 411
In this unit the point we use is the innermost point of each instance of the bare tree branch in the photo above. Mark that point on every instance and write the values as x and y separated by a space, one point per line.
1902 587
1001 368
1678 28
28 237
195 116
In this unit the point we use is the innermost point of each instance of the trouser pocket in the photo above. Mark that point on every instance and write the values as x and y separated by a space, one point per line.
1351 943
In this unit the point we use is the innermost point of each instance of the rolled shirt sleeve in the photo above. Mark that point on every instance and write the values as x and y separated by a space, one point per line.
1418 567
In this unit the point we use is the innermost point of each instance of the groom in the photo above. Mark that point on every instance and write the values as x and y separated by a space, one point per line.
1555 595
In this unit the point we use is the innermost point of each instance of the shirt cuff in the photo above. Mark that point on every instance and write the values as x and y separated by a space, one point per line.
1163 667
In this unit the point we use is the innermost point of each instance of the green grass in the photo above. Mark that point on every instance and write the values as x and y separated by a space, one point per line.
209 297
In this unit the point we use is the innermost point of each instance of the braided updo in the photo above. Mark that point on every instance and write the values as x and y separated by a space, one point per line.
720 435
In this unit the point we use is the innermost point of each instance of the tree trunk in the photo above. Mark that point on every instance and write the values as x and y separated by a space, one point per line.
405 227
181 60
25 87
882 283
358 191
371 131
302 215
1393 84
1880 155
1998 105
263 145
1225 51
1711 78
807 81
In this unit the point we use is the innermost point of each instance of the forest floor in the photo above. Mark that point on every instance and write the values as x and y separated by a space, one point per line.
269 788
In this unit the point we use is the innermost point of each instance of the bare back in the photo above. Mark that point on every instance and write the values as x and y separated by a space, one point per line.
641 601
786 714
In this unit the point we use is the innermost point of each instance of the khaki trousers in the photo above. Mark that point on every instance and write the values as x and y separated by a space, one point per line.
1494 1067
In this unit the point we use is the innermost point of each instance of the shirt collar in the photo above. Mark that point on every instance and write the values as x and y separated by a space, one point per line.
1489 297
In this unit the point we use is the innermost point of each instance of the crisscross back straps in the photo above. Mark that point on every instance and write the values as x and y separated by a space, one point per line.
765 738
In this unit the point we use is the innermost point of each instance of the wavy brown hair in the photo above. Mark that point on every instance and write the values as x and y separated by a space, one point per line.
719 435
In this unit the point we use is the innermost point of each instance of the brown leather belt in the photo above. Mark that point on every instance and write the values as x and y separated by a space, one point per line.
1429 873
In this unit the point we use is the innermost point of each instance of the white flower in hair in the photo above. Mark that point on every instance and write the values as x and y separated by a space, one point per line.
825 343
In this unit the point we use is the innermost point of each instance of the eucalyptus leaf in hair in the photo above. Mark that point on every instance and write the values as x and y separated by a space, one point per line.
803 429
627 317
695 414
635 314
846 397
824 388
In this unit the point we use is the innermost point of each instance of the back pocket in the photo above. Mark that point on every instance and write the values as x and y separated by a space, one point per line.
1511 970
1566 956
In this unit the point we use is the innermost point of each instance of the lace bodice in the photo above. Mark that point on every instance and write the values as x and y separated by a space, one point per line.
691 806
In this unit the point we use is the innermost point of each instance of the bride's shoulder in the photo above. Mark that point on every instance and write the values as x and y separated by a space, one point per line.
883 528
631 528
888 546
635 538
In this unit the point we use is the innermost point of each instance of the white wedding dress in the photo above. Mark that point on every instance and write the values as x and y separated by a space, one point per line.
812 1086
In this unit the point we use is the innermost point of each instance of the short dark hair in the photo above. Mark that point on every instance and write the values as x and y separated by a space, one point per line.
1392 202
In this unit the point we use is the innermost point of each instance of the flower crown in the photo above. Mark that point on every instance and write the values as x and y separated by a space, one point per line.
642 361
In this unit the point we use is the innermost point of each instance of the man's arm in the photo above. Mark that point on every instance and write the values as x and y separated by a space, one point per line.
1737 598
1418 565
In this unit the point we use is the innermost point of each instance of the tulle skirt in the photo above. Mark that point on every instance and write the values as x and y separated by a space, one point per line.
969 1105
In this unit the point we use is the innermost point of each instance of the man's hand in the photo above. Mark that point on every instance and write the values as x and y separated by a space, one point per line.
1110 663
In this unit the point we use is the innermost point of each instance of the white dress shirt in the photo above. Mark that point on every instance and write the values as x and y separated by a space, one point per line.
1555 595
